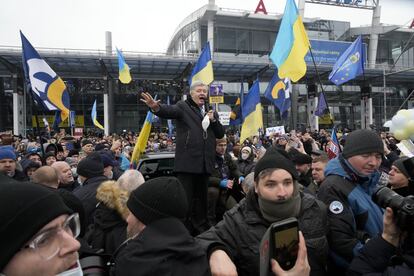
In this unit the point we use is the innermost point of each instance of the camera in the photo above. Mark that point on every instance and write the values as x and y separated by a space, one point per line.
403 207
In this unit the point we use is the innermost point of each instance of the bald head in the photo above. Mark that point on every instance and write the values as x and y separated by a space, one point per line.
46 176
63 172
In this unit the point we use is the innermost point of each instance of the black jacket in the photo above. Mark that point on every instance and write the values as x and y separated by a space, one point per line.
375 259
164 247
108 231
194 151
242 228
87 194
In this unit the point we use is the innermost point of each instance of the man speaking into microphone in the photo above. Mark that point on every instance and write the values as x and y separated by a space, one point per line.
195 149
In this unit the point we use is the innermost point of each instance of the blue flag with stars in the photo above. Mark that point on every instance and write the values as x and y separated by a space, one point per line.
349 65
278 92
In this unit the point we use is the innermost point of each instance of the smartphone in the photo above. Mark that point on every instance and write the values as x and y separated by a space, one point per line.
285 241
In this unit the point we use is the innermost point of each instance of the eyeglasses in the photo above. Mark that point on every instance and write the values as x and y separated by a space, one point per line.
47 244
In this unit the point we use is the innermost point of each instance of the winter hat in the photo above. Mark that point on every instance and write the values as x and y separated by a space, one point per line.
107 160
86 142
91 166
277 160
7 152
158 198
101 146
73 152
249 149
24 209
301 158
362 141
399 164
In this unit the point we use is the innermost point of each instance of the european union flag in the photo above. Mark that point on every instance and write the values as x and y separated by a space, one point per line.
278 92
349 65
322 107
47 87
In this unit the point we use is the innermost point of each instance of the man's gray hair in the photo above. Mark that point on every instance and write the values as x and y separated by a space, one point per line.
130 180
196 84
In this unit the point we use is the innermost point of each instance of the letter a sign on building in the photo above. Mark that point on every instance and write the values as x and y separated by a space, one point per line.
260 7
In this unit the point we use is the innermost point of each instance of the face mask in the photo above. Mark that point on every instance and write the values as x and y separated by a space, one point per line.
74 173
80 181
111 175
77 271
205 123
244 156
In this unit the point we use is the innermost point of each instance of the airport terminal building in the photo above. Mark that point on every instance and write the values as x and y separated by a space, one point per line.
240 44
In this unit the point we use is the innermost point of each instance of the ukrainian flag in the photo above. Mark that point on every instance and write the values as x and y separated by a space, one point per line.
291 45
124 74
203 70
94 119
142 140
251 113
48 89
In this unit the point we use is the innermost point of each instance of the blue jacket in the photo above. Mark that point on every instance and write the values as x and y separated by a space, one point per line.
353 216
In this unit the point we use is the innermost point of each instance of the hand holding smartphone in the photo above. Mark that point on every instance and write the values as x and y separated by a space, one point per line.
280 242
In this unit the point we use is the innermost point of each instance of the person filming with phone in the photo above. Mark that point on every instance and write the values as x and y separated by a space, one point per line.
197 131
233 245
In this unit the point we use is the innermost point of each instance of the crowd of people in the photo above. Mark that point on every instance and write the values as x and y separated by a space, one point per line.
76 207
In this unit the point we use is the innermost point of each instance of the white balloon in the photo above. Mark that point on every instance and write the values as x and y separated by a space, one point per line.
399 120
388 123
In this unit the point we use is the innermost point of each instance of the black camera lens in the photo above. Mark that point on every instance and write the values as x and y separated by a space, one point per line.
385 197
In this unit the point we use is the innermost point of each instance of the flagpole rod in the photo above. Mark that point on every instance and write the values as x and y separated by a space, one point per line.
320 82
34 107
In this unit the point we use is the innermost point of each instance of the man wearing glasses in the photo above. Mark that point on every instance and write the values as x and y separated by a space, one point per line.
38 232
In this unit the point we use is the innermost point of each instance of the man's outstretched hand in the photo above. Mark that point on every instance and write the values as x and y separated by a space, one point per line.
150 102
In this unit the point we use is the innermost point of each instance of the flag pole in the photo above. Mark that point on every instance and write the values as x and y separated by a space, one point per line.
320 82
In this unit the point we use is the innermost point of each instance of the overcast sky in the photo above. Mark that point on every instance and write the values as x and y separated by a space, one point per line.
145 26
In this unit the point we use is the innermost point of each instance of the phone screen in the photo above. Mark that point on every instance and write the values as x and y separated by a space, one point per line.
286 246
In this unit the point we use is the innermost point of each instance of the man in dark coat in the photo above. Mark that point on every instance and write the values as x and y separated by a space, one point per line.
90 171
197 131
159 243
233 244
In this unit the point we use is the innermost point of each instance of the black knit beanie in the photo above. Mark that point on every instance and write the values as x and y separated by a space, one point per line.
362 141
301 158
399 164
90 166
25 208
158 198
275 160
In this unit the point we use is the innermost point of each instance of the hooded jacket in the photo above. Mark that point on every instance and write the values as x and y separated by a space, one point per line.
109 228
163 247
353 216
242 228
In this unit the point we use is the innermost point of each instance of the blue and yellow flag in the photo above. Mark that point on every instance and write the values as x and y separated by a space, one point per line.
251 113
278 92
48 89
349 65
124 74
236 114
291 45
142 140
203 70
94 117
